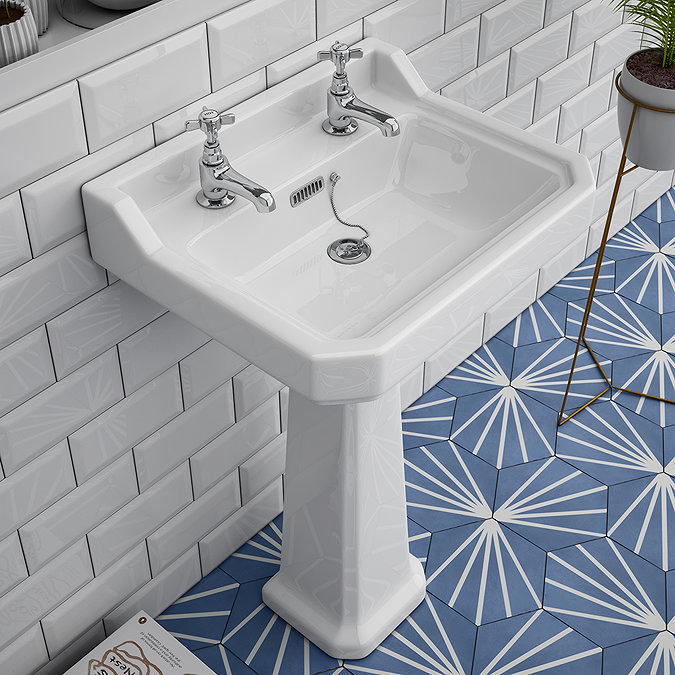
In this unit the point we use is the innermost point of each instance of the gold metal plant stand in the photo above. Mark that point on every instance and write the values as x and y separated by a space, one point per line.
596 273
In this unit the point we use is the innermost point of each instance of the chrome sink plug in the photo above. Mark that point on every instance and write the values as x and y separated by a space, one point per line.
219 181
344 108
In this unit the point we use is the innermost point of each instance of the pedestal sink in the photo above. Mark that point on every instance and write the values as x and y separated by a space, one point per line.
460 207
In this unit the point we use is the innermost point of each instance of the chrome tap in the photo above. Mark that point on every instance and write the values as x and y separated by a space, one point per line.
344 108
219 181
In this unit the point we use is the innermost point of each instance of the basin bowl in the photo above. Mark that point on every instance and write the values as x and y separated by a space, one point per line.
460 208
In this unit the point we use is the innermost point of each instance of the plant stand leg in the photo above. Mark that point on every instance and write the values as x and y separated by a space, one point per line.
347 578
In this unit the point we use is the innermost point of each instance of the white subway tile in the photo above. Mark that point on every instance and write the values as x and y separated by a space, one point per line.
221 100
306 57
176 441
231 448
161 591
507 24
503 311
448 57
620 219
240 527
538 53
647 193
283 405
14 246
25 369
53 204
599 134
128 94
193 523
582 109
118 429
117 535
85 607
547 126
75 651
412 387
57 411
78 512
629 184
25 654
98 323
459 11
206 369
559 8
334 14
158 346
33 598
252 386
12 565
39 136
46 286
257 472
482 87
595 167
562 82
457 349
35 487
573 142
249 37
408 24
562 264
611 50
517 108
590 22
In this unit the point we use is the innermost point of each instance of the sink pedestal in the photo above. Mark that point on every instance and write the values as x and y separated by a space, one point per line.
347 578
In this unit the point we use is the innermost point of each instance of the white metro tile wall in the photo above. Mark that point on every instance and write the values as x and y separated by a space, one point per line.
134 91
95 380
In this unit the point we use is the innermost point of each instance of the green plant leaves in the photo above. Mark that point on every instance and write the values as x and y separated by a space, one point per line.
656 20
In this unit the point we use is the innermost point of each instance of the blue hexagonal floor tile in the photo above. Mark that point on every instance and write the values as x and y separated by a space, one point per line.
551 503
447 486
534 642
485 571
605 592
611 444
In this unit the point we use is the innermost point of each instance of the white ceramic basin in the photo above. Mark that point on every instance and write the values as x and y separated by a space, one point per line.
461 209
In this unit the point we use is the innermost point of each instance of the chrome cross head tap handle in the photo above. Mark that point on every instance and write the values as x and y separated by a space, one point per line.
219 181
343 106
210 122
340 54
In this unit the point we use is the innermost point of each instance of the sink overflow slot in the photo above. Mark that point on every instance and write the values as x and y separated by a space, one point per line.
306 191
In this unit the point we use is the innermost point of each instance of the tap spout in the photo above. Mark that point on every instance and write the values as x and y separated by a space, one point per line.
221 183
344 109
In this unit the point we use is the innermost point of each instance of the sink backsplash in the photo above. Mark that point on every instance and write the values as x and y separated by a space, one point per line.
135 453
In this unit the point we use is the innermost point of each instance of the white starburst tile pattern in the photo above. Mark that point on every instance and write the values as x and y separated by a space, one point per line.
550 503
547 549
605 592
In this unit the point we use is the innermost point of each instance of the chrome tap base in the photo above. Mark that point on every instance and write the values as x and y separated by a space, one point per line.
340 131
207 203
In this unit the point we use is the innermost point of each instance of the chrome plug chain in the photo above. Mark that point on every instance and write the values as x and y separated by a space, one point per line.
334 178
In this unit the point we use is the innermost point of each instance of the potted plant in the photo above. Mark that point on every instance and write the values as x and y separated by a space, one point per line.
18 32
648 77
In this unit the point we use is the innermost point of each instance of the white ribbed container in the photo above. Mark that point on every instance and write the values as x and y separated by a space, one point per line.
40 9
652 139
19 38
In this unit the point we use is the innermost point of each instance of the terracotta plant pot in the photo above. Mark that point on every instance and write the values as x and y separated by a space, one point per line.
652 141
18 38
